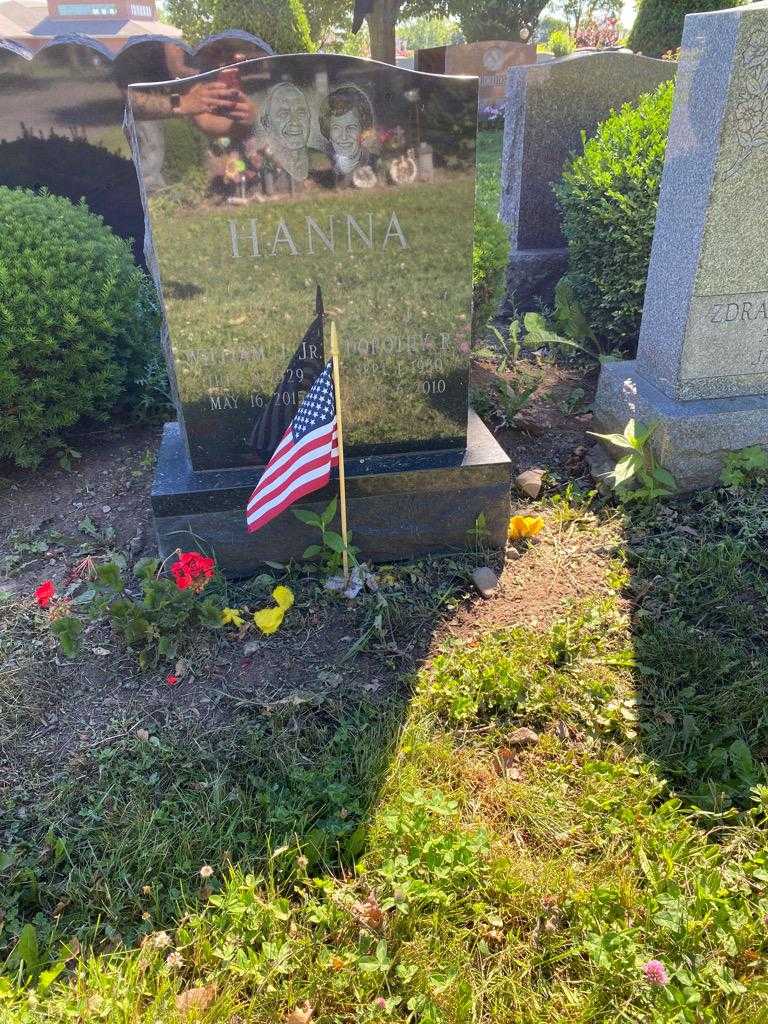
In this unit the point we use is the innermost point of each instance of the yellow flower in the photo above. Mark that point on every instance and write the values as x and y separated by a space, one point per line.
283 597
232 615
269 619
525 526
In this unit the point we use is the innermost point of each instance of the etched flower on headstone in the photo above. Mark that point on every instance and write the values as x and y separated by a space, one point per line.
750 116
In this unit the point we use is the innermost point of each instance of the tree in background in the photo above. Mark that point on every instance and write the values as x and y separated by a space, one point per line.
282 23
547 25
194 18
658 27
328 20
496 19
421 33
580 12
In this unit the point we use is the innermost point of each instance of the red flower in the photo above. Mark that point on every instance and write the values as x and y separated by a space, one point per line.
171 680
180 574
44 593
192 566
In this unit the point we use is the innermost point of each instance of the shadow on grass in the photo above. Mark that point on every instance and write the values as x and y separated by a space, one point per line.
141 785
699 584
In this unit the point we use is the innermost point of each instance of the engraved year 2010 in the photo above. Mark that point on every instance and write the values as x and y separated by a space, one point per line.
433 387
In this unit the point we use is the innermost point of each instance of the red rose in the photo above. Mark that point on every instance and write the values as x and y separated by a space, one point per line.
171 680
44 593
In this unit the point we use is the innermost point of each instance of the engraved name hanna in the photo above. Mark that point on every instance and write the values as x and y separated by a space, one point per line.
338 232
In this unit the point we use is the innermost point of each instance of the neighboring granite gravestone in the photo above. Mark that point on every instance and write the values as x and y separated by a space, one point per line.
489 60
61 115
357 179
548 107
701 371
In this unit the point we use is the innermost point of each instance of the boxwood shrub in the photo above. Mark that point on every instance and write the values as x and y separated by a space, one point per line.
608 197
78 322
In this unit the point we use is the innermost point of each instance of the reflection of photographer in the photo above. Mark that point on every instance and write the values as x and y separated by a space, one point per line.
217 106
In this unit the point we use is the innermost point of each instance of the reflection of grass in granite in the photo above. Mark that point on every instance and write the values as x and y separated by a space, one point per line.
489 147
248 303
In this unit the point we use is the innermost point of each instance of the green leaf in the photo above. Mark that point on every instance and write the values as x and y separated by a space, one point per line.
26 950
88 526
312 551
741 758
617 440
664 477
67 630
538 332
329 513
307 517
624 470
48 977
334 542
109 575
210 614
146 568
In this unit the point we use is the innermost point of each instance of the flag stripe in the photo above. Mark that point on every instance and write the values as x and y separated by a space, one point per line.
288 494
304 458
288 457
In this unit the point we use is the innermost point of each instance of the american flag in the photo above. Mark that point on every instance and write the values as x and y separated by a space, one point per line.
303 460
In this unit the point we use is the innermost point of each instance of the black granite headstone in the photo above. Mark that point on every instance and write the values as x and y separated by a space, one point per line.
263 183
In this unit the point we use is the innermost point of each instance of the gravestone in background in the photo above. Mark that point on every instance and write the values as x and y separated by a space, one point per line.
61 115
701 371
489 60
548 107
358 179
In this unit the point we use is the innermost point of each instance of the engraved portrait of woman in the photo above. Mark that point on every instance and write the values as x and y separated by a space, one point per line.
346 121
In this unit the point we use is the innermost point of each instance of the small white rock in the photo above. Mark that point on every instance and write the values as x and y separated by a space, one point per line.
485 580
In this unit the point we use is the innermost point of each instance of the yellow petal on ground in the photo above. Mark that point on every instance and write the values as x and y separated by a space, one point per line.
525 526
269 619
233 616
284 597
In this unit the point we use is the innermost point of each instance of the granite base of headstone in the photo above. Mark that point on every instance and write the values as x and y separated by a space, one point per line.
701 373
399 507
548 105
317 187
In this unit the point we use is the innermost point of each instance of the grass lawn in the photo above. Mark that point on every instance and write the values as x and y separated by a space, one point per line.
489 147
417 807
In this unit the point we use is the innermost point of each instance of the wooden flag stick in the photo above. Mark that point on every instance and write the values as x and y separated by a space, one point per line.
340 436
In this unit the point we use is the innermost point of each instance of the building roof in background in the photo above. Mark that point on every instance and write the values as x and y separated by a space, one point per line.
21 21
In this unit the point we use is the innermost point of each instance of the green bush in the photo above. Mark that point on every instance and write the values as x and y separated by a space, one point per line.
489 261
658 26
282 23
560 43
78 322
608 198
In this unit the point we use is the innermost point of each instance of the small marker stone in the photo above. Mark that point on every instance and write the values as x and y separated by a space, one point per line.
485 580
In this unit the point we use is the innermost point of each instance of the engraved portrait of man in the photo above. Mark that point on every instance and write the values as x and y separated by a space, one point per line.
287 121
346 121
